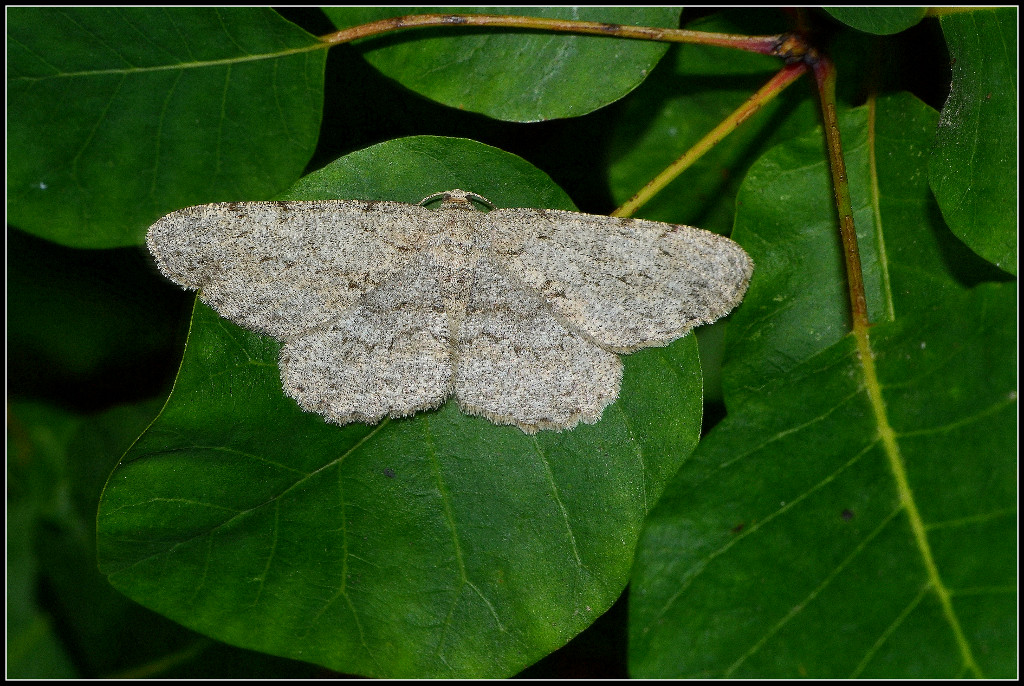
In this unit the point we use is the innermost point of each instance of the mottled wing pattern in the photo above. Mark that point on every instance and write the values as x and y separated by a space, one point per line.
388 356
625 283
284 267
517 364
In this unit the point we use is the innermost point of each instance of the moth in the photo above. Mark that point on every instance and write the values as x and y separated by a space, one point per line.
385 309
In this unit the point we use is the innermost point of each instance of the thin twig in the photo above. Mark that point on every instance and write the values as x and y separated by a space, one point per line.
766 94
765 45
825 76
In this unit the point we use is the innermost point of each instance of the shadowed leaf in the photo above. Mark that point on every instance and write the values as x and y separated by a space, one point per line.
120 115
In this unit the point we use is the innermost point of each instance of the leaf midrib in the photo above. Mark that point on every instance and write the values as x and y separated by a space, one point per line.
894 457
890 442
199 64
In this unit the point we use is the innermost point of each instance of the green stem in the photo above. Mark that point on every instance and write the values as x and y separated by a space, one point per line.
766 94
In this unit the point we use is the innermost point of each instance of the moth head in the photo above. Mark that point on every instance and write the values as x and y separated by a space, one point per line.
457 199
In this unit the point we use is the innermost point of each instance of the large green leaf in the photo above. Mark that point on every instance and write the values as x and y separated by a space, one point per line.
117 116
973 168
820 569
797 305
438 545
846 519
510 74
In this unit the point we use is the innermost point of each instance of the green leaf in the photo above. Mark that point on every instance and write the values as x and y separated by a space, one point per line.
510 74
117 116
879 20
973 169
819 571
438 545
846 519
797 304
